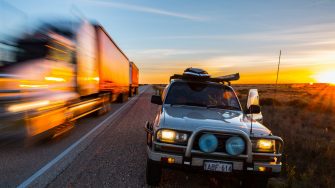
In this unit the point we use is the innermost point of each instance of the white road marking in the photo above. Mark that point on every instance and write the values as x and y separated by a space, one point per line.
45 168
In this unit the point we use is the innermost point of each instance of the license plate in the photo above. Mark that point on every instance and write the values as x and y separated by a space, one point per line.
218 166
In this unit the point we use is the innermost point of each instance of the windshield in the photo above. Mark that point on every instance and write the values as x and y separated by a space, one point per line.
31 50
202 94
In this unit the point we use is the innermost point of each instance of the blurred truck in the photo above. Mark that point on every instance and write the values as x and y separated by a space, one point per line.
58 73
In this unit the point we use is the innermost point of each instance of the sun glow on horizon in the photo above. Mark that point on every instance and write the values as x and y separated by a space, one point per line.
326 77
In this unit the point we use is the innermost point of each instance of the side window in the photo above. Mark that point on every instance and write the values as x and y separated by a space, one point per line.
230 98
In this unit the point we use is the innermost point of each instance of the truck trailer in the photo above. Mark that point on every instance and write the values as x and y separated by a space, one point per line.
61 72
133 73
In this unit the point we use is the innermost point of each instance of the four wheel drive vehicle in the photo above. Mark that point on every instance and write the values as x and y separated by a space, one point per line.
201 125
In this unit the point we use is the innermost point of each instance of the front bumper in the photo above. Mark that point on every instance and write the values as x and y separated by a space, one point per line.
190 158
239 167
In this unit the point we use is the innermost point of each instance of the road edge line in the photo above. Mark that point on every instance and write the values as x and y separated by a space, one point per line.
36 180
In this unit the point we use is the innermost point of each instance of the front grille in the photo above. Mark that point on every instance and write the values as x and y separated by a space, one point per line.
222 138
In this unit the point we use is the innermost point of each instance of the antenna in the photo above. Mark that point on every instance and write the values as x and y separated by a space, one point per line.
252 119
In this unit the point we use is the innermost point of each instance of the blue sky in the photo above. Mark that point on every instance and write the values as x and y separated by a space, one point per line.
165 37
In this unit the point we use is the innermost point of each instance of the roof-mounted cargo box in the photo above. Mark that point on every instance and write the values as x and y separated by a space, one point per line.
197 74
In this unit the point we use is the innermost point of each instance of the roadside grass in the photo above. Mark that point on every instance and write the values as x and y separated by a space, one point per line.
304 117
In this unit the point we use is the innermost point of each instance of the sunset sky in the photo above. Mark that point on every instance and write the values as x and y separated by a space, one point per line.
223 37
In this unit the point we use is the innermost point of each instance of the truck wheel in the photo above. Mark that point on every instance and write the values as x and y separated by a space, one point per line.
131 93
136 91
153 173
123 97
105 105
255 181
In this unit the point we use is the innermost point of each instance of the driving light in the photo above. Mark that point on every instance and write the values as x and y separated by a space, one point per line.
171 136
208 143
261 168
169 160
264 145
235 145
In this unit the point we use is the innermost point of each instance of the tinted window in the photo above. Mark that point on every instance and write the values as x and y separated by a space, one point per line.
31 50
202 94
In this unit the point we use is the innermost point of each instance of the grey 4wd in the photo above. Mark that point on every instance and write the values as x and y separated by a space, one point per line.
201 125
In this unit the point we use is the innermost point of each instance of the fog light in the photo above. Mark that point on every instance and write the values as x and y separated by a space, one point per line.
169 160
261 168
264 169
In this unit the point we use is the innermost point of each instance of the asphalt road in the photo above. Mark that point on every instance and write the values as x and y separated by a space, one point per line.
17 163
116 157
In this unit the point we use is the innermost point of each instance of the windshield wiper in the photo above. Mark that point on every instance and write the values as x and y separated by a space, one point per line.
189 104
227 107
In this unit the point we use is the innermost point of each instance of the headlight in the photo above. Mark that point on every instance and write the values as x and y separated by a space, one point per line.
171 136
235 145
264 145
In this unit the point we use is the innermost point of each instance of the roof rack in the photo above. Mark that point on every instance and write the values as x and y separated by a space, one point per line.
202 76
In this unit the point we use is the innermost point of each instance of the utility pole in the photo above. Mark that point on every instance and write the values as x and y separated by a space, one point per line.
275 96
278 69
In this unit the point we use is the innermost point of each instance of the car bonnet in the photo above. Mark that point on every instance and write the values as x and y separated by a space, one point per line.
189 118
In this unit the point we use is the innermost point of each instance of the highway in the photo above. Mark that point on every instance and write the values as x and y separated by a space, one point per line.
106 151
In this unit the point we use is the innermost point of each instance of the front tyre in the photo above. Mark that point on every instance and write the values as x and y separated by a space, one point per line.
153 173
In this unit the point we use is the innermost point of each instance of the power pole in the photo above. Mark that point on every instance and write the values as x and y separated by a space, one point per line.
275 97
278 69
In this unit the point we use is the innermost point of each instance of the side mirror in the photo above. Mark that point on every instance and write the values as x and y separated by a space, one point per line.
253 109
253 102
156 99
